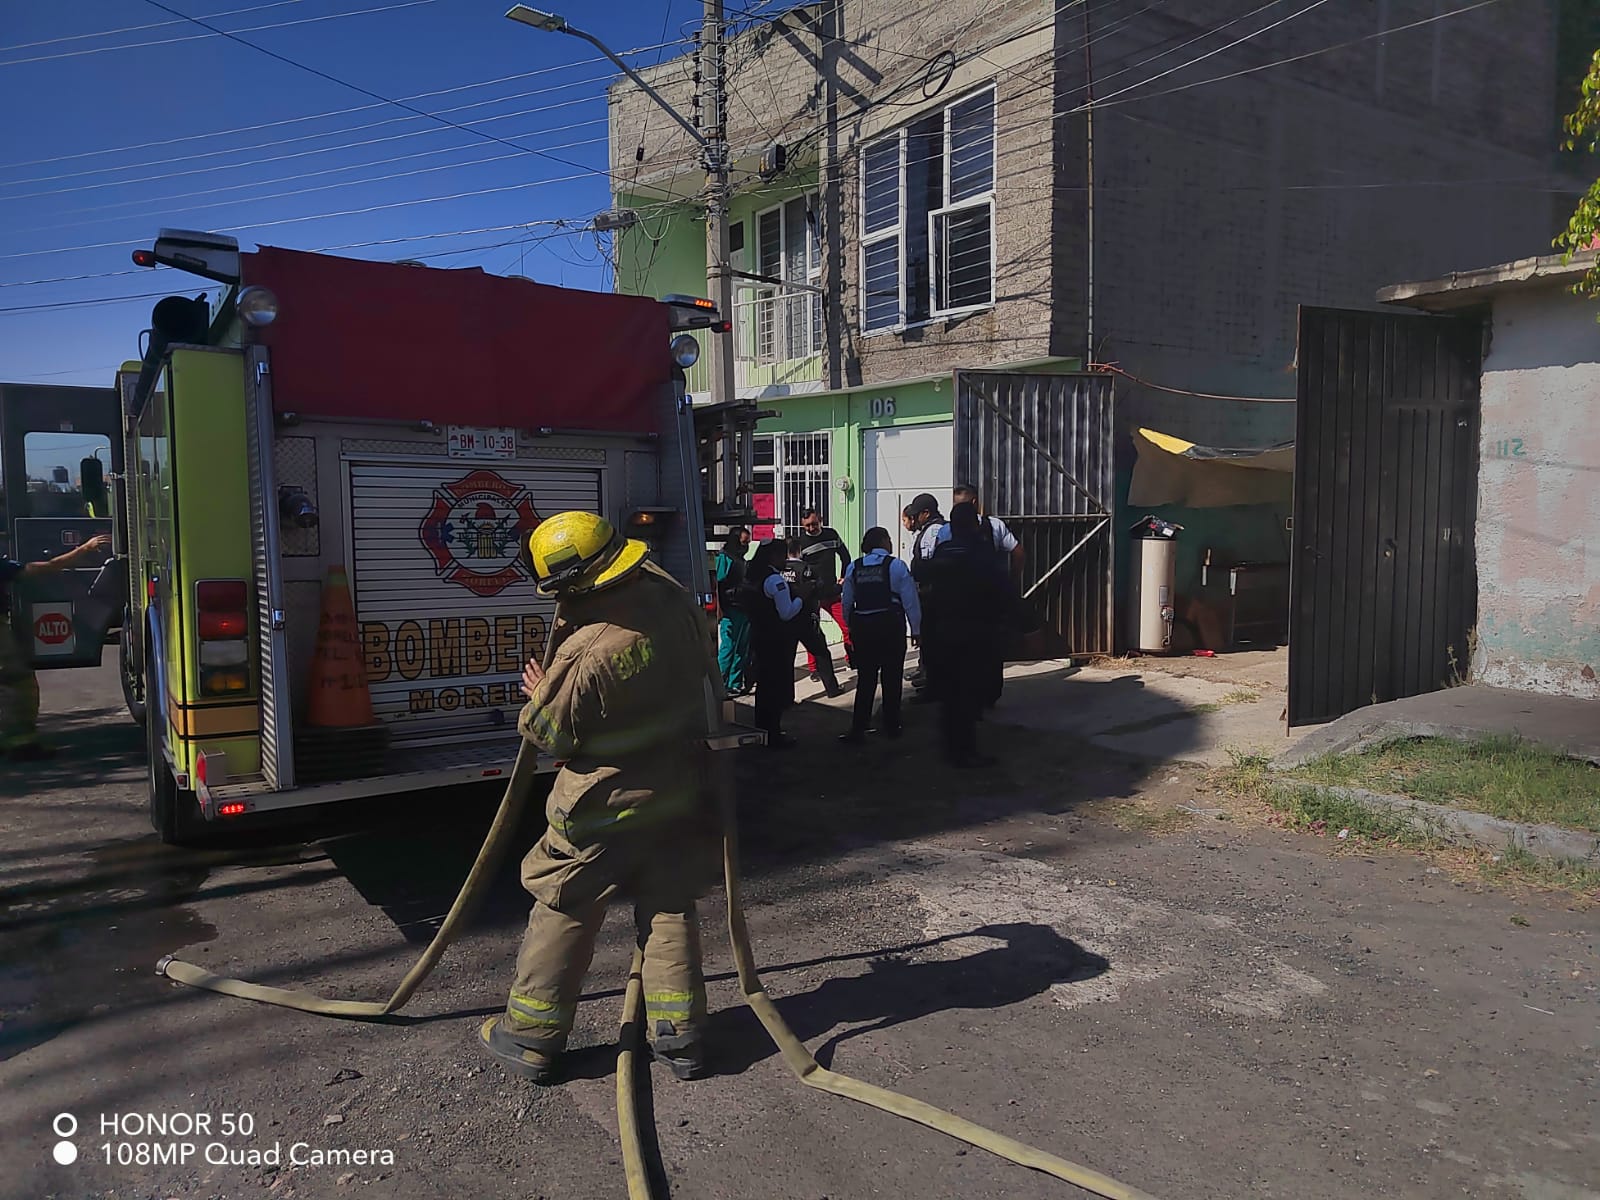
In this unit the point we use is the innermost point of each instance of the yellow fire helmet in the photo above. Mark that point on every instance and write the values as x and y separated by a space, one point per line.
577 552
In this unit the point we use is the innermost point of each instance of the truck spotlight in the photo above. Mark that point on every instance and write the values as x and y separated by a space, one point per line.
685 351
258 306
296 508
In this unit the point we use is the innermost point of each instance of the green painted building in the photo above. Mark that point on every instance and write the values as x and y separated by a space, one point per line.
857 453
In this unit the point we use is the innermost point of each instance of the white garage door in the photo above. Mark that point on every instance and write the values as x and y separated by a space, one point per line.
446 611
900 463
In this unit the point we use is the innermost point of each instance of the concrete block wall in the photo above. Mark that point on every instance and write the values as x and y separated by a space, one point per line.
1538 531
1224 207
1219 208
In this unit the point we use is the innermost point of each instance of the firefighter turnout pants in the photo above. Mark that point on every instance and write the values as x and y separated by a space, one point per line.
19 693
662 871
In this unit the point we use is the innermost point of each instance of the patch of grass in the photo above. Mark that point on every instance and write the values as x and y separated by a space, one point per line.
1517 864
1313 809
1504 777
1241 696
1317 810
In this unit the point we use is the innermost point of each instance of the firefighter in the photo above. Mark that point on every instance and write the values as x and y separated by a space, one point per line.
19 687
623 707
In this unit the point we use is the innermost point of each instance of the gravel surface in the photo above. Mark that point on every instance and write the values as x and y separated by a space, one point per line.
1187 1001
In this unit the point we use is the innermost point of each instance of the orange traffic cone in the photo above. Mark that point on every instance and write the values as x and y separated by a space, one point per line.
337 696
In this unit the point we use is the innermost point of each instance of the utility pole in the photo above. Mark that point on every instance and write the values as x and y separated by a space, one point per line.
719 251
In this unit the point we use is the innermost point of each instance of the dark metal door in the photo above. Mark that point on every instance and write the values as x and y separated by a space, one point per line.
60 620
1383 587
1038 448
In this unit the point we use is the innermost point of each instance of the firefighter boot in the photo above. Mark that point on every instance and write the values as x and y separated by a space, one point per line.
684 1052
542 1066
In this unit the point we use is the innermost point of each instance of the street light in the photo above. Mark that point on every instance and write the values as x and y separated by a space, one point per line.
548 22
551 23
719 280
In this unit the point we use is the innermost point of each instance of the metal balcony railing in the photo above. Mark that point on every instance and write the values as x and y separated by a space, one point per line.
777 337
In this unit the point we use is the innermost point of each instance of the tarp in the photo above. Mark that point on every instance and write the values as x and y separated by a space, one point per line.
363 340
1170 470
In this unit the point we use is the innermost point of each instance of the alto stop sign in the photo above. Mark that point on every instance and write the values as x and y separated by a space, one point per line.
52 629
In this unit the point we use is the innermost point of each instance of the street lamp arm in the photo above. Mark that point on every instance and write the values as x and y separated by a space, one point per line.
522 14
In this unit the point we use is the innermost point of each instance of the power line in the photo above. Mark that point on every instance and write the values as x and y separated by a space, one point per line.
201 21
91 302
356 166
305 191
320 74
254 162
79 37
23 308
339 112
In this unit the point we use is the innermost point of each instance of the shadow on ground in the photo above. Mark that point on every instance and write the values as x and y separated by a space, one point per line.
408 855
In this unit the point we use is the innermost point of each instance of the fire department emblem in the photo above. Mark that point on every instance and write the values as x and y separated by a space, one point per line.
476 529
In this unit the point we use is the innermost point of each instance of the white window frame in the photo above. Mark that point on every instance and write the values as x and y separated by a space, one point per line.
766 294
989 197
896 232
975 201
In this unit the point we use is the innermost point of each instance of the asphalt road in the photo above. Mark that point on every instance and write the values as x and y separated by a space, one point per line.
1202 1007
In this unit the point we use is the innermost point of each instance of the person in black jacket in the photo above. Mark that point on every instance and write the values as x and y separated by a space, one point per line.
826 554
805 587
775 626
966 603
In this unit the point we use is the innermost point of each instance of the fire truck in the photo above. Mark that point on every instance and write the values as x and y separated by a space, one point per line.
399 427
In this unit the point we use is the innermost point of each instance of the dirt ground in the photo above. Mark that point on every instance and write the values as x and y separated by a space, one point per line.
1095 953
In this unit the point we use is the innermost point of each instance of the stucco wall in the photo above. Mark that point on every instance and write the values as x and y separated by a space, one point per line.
1538 536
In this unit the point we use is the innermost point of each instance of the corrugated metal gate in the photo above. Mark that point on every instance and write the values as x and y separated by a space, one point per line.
447 614
1038 448
1383 587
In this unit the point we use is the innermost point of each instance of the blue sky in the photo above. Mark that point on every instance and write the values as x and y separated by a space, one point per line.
81 187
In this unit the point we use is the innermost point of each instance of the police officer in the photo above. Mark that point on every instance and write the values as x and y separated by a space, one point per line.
623 707
880 600
967 597
19 687
924 521
775 626
805 587
1005 542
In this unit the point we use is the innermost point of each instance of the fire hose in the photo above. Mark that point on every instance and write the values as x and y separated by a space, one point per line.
795 1055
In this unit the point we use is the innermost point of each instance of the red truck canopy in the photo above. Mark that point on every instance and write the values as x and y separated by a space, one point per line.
371 339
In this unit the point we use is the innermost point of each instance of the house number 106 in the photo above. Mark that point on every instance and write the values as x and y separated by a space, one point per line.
882 406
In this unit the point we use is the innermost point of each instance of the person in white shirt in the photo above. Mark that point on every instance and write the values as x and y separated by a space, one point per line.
880 601
774 619
1005 542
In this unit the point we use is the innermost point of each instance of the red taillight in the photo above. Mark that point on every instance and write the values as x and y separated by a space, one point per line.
223 619
215 626
231 809
221 595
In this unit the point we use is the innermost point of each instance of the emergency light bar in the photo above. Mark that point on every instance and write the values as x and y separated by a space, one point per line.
208 255
695 312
